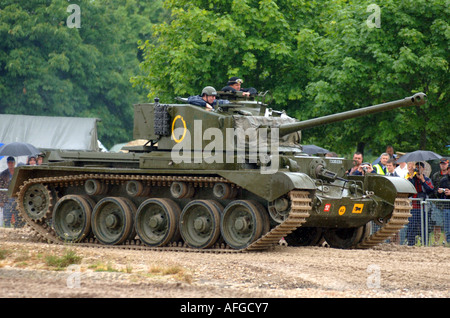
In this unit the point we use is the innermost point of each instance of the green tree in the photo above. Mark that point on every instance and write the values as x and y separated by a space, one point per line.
360 66
317 58
48 68
207 42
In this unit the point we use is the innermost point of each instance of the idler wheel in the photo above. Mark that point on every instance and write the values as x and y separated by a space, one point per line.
242 223
72 218
112 220
200 223
157 222
37 202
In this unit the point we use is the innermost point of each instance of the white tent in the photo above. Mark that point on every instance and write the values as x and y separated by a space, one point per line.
45 132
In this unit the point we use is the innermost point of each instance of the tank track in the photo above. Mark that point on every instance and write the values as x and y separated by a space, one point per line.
399 218
300 207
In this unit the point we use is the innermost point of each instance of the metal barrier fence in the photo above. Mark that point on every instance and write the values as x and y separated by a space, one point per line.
429 224
436 215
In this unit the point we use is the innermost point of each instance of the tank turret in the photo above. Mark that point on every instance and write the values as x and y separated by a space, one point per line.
234 179
238 123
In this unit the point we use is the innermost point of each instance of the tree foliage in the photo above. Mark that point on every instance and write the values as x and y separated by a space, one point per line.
362 66
48 68
317 58
209 41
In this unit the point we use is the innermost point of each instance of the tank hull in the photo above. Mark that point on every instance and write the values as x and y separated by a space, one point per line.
343 204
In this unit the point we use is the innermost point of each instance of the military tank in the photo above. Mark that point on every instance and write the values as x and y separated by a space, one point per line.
231 179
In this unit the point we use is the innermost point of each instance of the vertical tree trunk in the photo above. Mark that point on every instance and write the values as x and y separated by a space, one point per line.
360 147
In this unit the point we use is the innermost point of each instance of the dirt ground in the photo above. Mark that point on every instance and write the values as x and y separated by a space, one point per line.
387 271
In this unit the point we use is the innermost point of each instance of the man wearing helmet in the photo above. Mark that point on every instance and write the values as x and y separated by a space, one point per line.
207 98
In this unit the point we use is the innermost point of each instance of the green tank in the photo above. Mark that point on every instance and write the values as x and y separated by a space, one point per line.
231 179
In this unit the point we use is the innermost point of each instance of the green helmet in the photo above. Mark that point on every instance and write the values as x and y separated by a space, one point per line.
209 91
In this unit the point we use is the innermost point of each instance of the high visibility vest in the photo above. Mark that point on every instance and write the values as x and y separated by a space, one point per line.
379 169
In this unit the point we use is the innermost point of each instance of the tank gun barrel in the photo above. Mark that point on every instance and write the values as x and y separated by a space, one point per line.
417 99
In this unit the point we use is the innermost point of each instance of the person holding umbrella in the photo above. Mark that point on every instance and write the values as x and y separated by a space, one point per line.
424 188
12 149
10 214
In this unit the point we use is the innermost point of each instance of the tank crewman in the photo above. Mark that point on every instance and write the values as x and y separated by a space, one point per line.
380 168
207 98
234 85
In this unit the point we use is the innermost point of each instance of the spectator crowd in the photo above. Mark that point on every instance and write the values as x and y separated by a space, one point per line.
436 188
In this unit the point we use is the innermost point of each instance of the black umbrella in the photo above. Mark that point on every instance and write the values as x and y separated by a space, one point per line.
18 149
419 155
313 149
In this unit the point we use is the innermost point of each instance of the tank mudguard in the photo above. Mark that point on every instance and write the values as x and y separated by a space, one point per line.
21 174
388 187
402 185
269 186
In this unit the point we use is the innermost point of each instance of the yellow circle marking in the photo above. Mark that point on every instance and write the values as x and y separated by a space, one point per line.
173 128
342 210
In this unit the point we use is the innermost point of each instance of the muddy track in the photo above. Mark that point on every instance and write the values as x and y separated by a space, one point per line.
387 270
